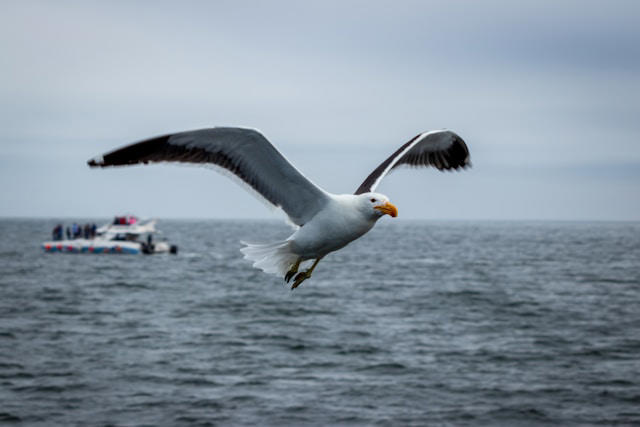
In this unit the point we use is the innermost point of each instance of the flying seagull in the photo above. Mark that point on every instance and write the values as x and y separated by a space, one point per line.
324 222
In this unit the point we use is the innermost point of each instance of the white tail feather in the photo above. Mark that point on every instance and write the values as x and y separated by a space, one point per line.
275 258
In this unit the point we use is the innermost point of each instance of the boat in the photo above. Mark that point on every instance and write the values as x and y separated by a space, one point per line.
124 235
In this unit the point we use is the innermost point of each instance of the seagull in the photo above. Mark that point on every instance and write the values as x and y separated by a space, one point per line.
323 222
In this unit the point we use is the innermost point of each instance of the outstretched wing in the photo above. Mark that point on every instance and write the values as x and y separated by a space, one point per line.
246 153
442 149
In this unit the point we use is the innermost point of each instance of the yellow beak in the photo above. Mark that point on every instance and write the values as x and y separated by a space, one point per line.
388 209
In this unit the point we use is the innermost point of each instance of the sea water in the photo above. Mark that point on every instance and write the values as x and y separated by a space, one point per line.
461 323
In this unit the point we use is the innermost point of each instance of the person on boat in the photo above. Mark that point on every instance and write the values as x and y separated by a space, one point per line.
76 230
68 233
57 232
93 230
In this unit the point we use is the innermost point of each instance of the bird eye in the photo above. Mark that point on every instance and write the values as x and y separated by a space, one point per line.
373 200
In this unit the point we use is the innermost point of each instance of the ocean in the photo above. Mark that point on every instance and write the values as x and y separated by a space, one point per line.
417 323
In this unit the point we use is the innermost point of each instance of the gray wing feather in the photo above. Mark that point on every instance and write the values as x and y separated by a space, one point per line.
244 152
442 149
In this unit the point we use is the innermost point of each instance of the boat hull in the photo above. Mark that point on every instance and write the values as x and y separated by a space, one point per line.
92 247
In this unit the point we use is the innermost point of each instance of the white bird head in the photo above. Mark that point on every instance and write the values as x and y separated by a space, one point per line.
376 205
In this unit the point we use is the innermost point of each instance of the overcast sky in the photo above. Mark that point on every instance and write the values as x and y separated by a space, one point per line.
546 95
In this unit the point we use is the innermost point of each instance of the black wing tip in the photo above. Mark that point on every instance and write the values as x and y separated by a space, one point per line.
458 168
96 162
132 154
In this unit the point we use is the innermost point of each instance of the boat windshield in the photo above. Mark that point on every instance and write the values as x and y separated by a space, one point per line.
125 220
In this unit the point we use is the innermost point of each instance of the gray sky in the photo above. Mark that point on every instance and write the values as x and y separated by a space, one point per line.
546 94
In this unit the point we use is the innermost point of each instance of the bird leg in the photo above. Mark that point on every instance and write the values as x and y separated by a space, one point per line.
293 270
304 275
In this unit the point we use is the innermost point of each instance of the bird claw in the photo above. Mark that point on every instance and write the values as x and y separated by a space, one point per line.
301 277
292 271
289 275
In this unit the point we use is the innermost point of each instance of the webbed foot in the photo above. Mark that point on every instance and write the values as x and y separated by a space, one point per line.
304 275
292 271
301 277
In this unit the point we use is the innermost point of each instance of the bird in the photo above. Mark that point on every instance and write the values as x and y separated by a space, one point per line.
323 222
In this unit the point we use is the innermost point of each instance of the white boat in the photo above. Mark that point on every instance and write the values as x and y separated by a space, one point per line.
125 235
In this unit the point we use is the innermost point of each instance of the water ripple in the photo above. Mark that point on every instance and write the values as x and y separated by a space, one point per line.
454 324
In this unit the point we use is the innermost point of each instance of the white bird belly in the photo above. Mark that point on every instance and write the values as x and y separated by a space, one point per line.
330 230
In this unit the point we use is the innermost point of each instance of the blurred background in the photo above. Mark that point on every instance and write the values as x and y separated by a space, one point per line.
464 322
545 93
